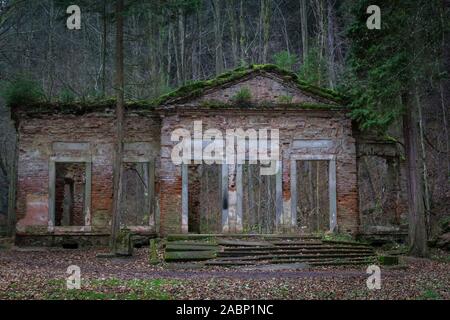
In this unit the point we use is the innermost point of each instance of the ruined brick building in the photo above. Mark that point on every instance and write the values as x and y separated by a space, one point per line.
329 177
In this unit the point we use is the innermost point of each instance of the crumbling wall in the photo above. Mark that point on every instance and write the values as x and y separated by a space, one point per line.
294 125
382 185
38 141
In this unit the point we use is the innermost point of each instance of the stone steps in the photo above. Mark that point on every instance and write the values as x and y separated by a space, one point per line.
309 261
298 256
288 253
295 247
232 250
195 236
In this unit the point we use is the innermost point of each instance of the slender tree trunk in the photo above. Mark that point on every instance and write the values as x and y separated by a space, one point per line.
331 43
181 40
115 225
169 54
218 35
11 223
104 47
442 96
304 28
424 162
242 39
320 38
50 57
417 227
177 57
265 17
233 30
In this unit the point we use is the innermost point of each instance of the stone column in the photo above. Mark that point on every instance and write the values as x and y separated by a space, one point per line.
232 198
286 193
184 198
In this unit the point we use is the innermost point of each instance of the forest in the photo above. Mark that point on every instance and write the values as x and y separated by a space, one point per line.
396 76
381 68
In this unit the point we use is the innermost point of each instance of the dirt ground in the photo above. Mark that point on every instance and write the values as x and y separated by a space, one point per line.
41 274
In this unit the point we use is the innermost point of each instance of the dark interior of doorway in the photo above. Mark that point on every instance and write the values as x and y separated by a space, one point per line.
313 200
205 198
70 194
259 200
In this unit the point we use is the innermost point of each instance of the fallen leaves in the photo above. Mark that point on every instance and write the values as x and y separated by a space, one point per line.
42 275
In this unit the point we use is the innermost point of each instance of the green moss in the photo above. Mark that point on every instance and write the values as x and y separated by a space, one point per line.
153 257
285 99
190 91
388 260
429 294
82 107
111 289
195 89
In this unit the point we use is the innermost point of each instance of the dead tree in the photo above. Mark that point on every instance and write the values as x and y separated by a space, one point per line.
118 168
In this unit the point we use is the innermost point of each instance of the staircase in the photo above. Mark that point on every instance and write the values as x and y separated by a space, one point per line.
244 250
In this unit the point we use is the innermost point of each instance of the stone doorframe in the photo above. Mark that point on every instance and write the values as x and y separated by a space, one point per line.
152 218
232 194
185 197
87 160
143 152
331 186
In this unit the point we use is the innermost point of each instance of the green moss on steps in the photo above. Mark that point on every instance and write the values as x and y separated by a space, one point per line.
388 260
176 256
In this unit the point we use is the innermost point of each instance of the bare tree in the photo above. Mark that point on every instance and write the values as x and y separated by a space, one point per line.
118 167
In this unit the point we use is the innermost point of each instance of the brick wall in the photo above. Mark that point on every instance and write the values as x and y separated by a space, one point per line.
36 139
300 124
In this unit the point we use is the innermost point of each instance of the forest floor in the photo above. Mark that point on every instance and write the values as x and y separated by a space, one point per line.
41 274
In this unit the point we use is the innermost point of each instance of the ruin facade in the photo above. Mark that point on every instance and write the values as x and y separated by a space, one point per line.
329 177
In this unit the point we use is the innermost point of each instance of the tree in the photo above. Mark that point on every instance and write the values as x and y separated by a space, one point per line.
118 167
388 67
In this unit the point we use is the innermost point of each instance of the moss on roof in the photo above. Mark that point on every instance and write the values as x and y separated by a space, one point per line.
196 89
190 91
81 107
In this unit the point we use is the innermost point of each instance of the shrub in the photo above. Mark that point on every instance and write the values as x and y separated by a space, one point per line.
21 91
314 68
285 60
243 97
285 99
66 96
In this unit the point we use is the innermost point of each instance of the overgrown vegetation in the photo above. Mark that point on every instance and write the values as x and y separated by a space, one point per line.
21 91
285 60
111 289
285 99
314 68
243 97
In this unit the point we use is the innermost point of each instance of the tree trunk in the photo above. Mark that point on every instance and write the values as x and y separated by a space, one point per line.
11 223
417 227
181 40
104 47
233 30
442 96
424 163
115 225
242 39
304 28
331 43
265 18
218 36
320 38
